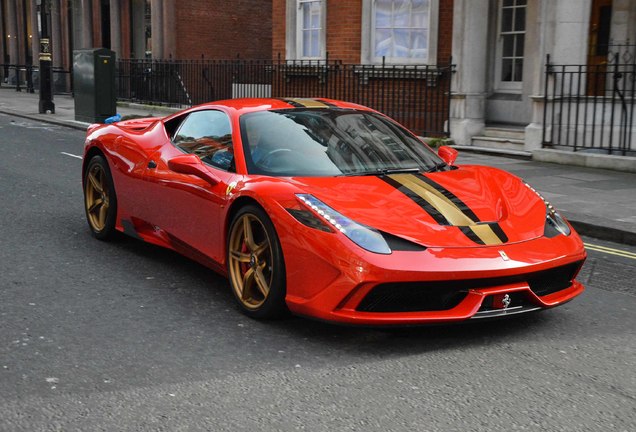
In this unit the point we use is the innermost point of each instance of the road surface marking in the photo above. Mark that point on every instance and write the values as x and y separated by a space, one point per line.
71 155
611 251
31 125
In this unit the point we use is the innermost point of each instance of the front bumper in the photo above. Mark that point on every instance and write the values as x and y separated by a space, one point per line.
329 278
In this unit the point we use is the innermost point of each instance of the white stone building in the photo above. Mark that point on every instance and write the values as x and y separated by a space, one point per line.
500 47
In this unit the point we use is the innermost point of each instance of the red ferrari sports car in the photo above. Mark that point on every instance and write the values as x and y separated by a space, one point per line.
330 210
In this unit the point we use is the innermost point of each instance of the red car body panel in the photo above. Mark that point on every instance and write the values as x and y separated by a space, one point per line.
328 276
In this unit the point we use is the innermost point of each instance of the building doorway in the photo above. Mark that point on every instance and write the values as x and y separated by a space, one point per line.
598 46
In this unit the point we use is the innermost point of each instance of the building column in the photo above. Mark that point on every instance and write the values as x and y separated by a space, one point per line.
68 41
22 31
35 31
169 35
56 33
56 44
86 24
623 29
115 26
12 38
470 45
156 18
3 35
561 29
97 24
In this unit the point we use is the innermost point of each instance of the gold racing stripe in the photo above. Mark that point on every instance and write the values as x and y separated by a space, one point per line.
443 205
486 234
308 103
447 208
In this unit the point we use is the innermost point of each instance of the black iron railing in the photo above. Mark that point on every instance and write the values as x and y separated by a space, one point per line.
415 95
26 78
591 107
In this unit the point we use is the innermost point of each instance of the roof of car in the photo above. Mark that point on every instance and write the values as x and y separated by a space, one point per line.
262 104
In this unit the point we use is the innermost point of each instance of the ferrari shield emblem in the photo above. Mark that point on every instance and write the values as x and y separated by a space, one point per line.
504 256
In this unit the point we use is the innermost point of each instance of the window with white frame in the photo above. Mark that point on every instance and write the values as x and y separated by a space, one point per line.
400 31
306 20
510 49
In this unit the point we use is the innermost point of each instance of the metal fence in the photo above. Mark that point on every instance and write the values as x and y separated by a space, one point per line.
27 78
415 95
591 107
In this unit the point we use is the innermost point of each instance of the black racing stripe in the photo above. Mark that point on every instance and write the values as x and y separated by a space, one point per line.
329 104
451 196
471 235
428 208
292 103
498 232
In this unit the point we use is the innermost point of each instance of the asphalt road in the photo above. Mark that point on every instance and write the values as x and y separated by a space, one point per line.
127 336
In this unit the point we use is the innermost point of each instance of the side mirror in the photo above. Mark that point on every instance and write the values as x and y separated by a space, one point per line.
191 164
448 154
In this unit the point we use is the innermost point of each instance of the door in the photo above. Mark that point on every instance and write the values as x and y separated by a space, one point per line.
186 208
598 49
508 103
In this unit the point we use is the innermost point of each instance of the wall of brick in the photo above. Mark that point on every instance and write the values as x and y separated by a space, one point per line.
445 31
279 22
223 29
344 30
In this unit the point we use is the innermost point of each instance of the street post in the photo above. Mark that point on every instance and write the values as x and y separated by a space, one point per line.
46 88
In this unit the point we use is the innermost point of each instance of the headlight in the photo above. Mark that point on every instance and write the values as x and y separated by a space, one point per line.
365 237
554 221
555 224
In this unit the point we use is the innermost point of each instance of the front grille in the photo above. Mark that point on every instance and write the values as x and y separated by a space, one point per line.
410 297
553 280
437 296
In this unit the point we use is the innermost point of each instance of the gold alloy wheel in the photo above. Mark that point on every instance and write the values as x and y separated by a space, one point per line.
250 261
96 197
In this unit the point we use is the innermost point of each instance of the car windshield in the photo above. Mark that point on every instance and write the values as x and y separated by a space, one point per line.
330 142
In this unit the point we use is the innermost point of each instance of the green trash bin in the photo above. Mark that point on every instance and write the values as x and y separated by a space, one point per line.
94 84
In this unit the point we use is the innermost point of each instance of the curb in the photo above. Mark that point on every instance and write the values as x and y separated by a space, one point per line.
604 233
74 125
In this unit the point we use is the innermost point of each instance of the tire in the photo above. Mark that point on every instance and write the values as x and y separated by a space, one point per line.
256 268
100 200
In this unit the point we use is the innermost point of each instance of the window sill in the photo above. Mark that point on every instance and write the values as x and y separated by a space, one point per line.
411 72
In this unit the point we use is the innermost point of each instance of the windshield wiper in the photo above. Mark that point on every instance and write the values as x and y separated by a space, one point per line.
382 172
437 167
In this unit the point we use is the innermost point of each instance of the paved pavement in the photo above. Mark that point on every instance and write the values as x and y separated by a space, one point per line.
599 203
127 336
123 335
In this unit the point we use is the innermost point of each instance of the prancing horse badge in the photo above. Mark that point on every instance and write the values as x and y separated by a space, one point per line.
504 256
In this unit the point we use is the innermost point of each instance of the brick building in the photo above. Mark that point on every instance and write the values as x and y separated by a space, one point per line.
364 31
161 29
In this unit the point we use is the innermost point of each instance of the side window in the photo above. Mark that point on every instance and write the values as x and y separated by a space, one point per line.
207 134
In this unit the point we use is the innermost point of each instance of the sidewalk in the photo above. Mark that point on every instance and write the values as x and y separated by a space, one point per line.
599 203
23 104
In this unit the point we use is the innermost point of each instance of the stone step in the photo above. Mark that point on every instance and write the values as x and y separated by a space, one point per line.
498 143
517 133
518 154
